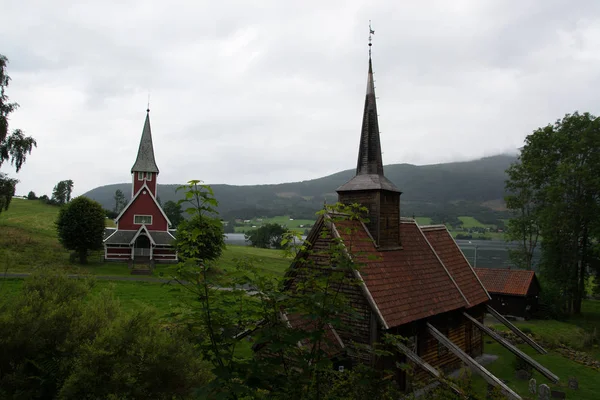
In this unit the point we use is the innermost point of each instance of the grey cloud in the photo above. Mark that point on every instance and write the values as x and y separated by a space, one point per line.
271 91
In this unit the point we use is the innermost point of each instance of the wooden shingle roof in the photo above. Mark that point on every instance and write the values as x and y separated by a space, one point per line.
410 283
453 258
145 161
514 282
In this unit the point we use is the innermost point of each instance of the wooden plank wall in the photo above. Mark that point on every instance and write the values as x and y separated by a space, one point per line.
357 326
460 331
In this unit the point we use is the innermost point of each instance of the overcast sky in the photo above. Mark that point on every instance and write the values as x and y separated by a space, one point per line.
249 92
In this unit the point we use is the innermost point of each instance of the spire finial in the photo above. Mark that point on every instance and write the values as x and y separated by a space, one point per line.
371 33
148 108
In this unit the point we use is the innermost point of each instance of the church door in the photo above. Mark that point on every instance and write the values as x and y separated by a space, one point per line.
142 246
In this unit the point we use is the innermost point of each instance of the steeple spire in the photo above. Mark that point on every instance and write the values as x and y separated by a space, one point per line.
369 166
369 187
369 151
145 158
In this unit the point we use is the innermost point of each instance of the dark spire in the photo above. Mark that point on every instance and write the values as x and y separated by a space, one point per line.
145 158
369 167
369 151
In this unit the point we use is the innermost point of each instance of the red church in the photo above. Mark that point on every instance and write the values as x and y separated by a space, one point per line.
142 235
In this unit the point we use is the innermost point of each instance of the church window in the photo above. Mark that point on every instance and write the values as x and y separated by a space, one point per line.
140 176
142 219
148 176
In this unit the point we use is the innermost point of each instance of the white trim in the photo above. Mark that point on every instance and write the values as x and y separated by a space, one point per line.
138 176
142 223
109 236
153 198
143 227
148 176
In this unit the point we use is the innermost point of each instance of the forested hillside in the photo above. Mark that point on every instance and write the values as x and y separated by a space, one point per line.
441 190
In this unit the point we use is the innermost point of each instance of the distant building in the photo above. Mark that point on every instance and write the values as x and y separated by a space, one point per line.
142 234
514 292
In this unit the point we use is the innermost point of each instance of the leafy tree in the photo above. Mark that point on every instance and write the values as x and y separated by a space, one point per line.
61 193
31 195
201 238
281 368
120 201
7 191
14 147
229 226
80 226
267 236
556 179
524 227
60 340
174 212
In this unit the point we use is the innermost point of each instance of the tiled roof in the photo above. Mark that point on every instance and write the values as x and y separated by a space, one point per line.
125 237
514 282
406 284
455 261
161 237
120 237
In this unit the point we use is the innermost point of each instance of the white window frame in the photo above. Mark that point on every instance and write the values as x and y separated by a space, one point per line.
140 176
142 223
148 176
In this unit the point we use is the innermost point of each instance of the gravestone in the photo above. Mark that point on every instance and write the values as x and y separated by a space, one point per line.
573 383
544 392
532 386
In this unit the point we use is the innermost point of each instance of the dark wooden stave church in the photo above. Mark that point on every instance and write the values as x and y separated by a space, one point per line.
414 281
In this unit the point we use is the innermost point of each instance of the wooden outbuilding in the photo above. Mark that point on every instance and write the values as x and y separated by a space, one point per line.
514 292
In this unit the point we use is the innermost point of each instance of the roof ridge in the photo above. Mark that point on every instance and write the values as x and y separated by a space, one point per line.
443 266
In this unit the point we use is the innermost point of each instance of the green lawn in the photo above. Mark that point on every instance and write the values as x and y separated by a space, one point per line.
581 332
470 222
280 220
28 241
589 379
423 220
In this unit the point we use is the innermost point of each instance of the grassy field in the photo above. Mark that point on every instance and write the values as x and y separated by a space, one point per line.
294 224
502 368
579 332
28 241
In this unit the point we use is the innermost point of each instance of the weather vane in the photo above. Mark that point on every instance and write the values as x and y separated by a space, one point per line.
371 33
148 109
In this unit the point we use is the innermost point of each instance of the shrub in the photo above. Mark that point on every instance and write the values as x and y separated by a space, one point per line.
59 340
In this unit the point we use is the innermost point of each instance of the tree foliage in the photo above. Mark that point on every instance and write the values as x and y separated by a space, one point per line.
31 195
174 212
120 201
61 194
7 191
80 226
58 340
199 239
14 147
268 236
278 368
555 192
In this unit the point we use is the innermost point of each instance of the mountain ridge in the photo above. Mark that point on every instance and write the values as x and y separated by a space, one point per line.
427 189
